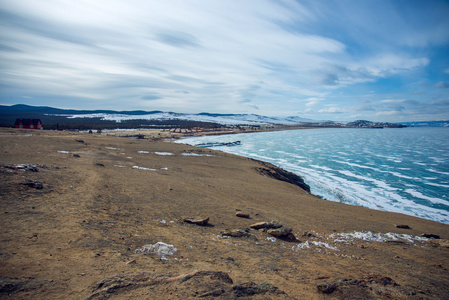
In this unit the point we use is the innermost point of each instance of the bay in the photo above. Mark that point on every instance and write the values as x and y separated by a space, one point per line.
404 170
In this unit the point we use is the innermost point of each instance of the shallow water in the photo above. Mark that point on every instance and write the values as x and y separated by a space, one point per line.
402 170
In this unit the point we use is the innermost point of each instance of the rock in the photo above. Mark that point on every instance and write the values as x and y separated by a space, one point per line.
382 280
34 184
99 164
430 236
375 284
290 237
326 287
272 171
250 288
201 284
402 226
236 232
11 285
197 221
76 155
242 215
259 225
308 234
266 225
23 167
280 232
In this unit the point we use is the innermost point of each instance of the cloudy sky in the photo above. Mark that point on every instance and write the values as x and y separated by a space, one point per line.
339 60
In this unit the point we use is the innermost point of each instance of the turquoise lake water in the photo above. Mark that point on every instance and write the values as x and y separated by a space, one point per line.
403 170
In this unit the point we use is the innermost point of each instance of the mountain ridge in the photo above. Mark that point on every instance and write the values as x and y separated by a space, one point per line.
82 119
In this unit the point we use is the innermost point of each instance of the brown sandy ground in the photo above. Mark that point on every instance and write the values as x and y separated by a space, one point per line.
76 237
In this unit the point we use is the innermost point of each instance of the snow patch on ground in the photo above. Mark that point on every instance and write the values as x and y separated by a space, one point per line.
163 153
160 248
334 239
142 168
317 244
369 236
196 154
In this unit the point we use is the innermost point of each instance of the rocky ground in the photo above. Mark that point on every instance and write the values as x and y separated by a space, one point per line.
94 217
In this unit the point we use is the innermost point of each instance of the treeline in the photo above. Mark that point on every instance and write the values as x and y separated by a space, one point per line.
64 123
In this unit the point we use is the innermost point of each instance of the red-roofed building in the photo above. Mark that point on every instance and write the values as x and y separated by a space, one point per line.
28 123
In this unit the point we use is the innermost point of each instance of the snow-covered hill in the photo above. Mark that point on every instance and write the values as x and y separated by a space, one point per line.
225 119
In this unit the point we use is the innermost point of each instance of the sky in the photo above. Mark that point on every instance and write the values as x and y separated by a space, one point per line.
336 60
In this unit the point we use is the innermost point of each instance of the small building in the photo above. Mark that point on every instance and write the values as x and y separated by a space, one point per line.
28 123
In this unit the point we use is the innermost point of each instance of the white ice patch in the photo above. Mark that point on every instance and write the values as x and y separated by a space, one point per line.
163 153
438 185
119 166
112 148
369 236
160 248
421 196
308 245
63 152
142 152
271 239
438 172
196 154
142 168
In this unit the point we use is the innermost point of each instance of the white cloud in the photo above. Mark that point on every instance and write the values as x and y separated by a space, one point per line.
392 101
201 55
388 113
331 110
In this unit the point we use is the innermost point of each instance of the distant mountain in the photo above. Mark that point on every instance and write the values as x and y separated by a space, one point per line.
108 118
55 118
369 124
427 124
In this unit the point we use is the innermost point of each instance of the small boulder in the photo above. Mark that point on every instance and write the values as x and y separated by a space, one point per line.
34 184
266 225
284 233
259 225
242 215
236 232
197 221
308 234
430 236
402 226
280 232
326 287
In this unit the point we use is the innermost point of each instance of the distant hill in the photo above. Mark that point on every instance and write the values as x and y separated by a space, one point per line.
427 124
55 118
369 124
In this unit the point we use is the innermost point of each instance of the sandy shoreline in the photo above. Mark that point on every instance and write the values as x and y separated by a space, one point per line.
104 197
